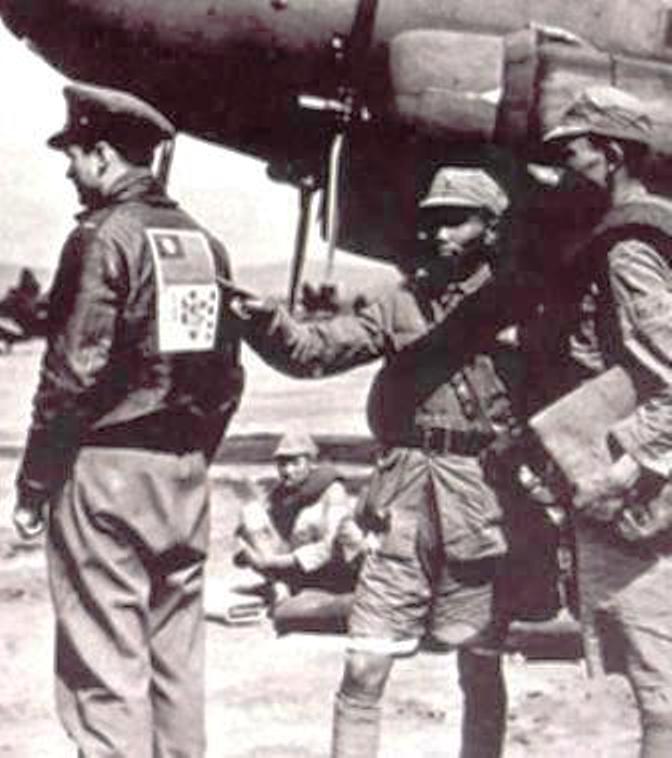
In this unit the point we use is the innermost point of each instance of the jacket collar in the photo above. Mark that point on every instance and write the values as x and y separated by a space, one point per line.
135 184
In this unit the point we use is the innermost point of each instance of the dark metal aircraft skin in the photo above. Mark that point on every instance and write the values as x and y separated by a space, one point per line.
411 81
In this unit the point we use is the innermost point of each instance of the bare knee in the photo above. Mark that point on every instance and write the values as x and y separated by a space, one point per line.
365 674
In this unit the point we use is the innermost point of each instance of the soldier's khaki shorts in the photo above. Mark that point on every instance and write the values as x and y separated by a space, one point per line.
406 597
432 578
397 605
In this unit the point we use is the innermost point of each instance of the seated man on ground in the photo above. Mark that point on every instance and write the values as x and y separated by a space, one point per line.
303 540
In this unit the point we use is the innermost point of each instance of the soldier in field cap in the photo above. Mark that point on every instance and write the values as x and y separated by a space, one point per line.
624 316
439 523
290 536
295 442
604 111
137 386
465 188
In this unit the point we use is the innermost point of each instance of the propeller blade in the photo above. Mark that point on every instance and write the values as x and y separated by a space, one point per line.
332 209
358 44
301 242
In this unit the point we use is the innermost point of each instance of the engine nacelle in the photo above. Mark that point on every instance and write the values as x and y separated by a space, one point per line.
447 83
472 87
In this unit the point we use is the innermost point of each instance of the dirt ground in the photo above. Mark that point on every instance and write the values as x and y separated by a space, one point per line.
268 697
271 698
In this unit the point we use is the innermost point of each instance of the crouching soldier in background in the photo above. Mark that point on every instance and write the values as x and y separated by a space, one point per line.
298 541
441 535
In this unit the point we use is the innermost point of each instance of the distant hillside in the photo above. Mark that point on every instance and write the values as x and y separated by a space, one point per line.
352 278
266 278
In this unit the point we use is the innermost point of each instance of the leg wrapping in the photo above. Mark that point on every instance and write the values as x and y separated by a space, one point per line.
356 728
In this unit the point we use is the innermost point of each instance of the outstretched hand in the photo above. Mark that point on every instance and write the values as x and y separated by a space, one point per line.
242 303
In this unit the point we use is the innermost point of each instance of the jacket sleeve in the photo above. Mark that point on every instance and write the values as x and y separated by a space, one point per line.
88 295
641 283
321 347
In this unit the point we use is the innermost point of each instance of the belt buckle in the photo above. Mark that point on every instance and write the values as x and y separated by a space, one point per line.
434 440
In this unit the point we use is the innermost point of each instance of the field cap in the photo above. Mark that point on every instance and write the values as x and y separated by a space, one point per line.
109 114
295 442
606 111
465 188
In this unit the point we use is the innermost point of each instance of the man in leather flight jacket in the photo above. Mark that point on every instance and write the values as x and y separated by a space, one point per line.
139 380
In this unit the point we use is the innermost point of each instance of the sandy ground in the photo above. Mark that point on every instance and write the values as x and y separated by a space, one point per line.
268 697
271 698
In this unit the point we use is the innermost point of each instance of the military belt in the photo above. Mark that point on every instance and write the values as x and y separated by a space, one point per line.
438 441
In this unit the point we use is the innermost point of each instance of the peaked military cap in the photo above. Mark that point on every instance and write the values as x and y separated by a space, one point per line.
465 188
295 442
606 111
102 113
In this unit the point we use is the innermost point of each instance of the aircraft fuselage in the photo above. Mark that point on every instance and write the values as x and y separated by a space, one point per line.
230 70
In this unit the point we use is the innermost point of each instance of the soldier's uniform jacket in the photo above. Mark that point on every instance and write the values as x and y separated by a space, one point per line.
410 406
104 375
301 516
626 317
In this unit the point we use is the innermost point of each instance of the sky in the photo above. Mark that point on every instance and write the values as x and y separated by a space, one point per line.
227 192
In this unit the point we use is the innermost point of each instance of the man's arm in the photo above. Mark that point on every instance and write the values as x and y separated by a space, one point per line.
320 348
641 282
76 360
640 279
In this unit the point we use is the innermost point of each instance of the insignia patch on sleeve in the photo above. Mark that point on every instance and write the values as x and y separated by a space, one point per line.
187 294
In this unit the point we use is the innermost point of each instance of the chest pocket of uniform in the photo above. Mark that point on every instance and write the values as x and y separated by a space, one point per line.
187 299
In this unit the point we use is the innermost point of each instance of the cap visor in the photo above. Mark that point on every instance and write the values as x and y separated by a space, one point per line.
565 132
60 140
451 201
